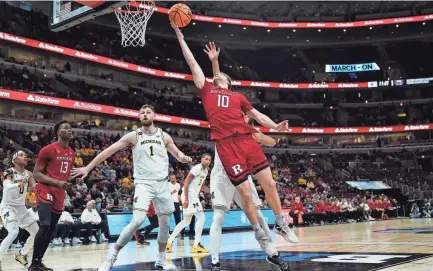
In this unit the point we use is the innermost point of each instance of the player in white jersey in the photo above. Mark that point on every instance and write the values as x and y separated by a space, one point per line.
13 209
150 146
223 192
192 205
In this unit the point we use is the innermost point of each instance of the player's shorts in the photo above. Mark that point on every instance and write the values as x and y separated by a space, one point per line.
241 155
156 191
223 191
19 214
55 196
194 206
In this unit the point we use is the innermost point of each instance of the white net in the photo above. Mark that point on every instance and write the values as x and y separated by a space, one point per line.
133 19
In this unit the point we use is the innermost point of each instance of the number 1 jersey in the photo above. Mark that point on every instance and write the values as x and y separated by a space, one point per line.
224 109
57 161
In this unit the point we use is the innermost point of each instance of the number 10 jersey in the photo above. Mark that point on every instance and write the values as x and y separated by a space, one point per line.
150 156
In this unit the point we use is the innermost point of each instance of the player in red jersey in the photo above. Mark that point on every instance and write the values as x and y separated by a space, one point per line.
51 171
239 152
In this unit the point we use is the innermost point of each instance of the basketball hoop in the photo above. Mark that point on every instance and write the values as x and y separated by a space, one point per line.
133 19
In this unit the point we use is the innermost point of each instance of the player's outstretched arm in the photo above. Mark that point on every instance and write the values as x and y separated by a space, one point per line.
264 139
197 73
267 122
123 142
172 148
213 53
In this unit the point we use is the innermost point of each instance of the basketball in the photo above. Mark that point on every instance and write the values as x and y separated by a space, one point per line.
180 14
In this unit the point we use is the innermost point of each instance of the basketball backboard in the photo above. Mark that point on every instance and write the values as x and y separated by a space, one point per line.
65 14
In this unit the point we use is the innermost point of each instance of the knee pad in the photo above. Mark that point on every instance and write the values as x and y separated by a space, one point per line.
164 228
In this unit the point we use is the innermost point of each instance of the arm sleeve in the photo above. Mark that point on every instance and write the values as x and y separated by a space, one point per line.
8 183
245 104
44 156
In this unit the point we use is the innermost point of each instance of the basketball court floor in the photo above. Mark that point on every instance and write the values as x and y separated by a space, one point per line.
395 245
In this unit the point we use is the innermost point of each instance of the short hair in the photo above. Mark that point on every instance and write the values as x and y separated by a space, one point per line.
148 106
57 126
206 154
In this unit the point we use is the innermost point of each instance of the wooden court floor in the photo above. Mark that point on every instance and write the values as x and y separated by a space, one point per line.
396 245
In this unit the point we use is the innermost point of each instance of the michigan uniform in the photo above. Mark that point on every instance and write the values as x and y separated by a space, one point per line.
151 172
223 191
194 205
13 204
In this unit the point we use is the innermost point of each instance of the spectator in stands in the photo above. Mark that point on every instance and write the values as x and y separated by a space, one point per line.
81 185
30 196
92 221
428 211
320 213
78 162
67 228
297 211
34 137
366 210
414 211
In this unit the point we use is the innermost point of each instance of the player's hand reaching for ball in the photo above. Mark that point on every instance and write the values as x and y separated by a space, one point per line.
212 51
176 30
283 126
79 171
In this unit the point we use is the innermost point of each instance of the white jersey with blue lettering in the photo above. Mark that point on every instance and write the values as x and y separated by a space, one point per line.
12 194
150 156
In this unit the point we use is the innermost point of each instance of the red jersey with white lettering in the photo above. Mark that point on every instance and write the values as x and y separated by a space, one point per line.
224 109
57 161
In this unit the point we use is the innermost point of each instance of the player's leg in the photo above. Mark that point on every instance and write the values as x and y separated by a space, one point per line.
10 220
179 227
45 208
28 223
235 165
144 193
257 203
259 166
221 191
164 207
198 248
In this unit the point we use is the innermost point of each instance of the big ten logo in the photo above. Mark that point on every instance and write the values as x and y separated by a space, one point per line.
244 218
287 216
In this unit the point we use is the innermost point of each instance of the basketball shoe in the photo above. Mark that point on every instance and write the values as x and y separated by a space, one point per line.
265 243
169 247
199 249
106 266
162 264
278 262
22 259
215 267
286 232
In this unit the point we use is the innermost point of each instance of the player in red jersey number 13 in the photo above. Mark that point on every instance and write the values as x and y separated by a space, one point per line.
239 152
51 171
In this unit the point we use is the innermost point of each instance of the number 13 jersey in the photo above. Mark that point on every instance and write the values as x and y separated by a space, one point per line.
224 109
57 161
150 156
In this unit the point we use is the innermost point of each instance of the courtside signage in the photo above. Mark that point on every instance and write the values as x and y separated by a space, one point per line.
125 112
160 73
235 21
364 67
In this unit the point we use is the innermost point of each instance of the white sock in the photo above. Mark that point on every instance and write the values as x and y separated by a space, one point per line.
256 227
216 234
199 227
